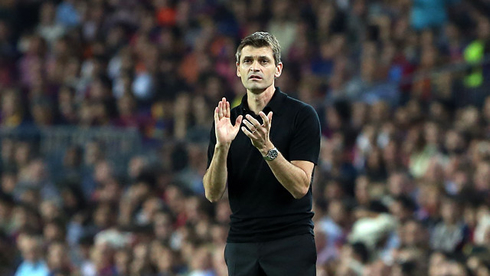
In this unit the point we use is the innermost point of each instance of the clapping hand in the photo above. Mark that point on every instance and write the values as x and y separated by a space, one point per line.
257 132
225 131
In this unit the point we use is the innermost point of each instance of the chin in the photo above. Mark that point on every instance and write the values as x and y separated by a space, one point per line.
257 89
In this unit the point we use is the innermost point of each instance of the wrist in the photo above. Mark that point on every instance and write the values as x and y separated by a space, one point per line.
264 150
271 155
222 146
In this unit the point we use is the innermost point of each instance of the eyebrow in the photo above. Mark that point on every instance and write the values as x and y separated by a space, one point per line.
259 57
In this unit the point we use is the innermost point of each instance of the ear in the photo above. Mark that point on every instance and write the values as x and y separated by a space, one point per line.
238 70
279 67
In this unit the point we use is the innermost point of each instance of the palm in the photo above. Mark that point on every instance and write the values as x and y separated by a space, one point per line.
225 131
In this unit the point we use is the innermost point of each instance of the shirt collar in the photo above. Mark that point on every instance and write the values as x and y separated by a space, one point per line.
274 104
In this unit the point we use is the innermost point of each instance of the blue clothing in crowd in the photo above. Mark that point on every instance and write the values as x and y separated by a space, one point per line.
430 13
38 268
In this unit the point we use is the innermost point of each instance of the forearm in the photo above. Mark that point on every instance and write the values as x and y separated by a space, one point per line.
292 178
214 179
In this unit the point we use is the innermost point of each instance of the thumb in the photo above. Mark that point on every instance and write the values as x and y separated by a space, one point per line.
238 121
216 118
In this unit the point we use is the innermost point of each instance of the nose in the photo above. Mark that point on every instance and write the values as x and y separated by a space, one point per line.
254 67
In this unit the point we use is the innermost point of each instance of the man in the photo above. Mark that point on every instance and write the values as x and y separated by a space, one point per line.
267 158
32 264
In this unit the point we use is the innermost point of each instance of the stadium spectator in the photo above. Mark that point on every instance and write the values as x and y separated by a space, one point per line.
33 264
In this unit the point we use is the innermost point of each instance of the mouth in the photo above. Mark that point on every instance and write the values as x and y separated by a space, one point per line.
254 77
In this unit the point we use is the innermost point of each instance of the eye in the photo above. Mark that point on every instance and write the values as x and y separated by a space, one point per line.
247 60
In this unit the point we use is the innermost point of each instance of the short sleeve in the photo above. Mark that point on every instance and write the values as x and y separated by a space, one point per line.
305 143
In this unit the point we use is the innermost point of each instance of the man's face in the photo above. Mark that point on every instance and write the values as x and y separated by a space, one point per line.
336 211
414 234
30 250
257 68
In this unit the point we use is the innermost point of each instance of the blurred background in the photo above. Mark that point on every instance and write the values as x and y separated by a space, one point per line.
106 108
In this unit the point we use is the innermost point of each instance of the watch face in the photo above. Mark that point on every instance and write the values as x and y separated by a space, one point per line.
272 154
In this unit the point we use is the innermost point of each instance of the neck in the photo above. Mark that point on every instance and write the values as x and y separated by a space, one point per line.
257 101
33 261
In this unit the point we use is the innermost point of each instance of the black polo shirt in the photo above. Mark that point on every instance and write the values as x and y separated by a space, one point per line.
262 209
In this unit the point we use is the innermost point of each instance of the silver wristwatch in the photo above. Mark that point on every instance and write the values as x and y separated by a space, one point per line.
271 154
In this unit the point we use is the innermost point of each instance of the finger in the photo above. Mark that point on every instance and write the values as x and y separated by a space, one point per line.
216 115
220 110
228 110
247 132
254 121
249 125
265 119
238 122
270 117
223 104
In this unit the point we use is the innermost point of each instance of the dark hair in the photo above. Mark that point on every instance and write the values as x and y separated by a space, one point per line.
60 224
407 202
361 250
408 267
7 199
377 206
454 199
259 40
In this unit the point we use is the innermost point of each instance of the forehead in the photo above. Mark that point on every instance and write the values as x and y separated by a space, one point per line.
250 51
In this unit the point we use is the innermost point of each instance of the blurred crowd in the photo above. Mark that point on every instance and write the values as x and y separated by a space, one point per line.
400 86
